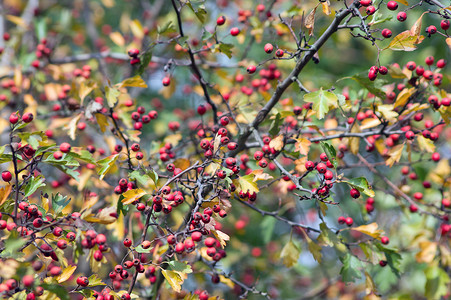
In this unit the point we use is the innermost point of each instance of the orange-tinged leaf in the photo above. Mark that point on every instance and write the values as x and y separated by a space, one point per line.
403 97
403 2
448 42
4 193
17 20
354 142
395 155
66 274
132 195
182 163
370 229
85 89
369 123
427 252
277 143
405 41
310 21
326 7
247 183
221 237
416 28
302 145
117 38
260 175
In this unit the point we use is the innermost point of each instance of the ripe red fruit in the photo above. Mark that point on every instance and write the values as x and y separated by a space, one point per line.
429 60
133 52
441 63
55 271
27 117
234 31
62 244
13 118
365 2
28 280
210 242
321 168
65 147
196 236
413 208
269 48
349 221
386 33
201 109
385 240
372 75
180 247
410 135
7 176
411 65
383 70
446 101
57 231
166 81
204 295
341 220
402 16
82 281
220 21
258 155
431 29
127 243
279 53
382 263
171 239
354 193
444 24
435 156
392 5
370 10
251 69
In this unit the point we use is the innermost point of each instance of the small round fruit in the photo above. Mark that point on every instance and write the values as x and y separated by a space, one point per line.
13 118
349 221
220 21
251 69
444 24
370 10
354 193
27 117
268 48
385 240
279 53
386 33
166 81
402 16
234 31
127 243
65 147
392 5
82 281
7 176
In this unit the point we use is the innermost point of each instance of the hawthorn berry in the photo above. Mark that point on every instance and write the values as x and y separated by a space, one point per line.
279 53
354 193
370 10
268 48
444 24
7 176
386 33
402 16
234 31
392 5
82 281
220 21
27 117
251 69
321 168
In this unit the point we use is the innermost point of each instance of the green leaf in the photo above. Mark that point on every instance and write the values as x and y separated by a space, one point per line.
142 179
321 101
168 26
290 254
56 289
350 269
206 35
247 183
274 129
40 27
437 281
106 165
180 267
71 172
226 49
33 185
393 258
267 229
374 87
362 185
12 244
385 279
95 281
145 60
85 156
330 152
140 249
200 12
59 202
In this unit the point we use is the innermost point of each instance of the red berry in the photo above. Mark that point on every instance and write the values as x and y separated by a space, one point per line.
435 156
385 240
365 2
65 147
354 193
180 247
201 109
444 24
402 16
386 33
27 117
127 243
441 63
13 118
279 53
234 31
349 221
7 176
220 21
166 81
133 52
370 10
392 5
431 29
269 48
82 281
429 60
251 69
321 168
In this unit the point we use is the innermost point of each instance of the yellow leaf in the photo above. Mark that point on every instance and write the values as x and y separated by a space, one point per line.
108 3
403 2
354 141
277 143
302 145
117 38
137 29
226 281
216 143
260 175
111 95
313 247
4 193
18 76
415 107
17 20
132 195
387 112
173 139
84 178
174 279
405 41
67 272
310 21
85 89
370 229
247 184
326 7
369 123
72 127
425 144
182 163
103 217
403 97
395 155
221 237
102 121
370 286
427 252
290 254
300 164
135 81
167 91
